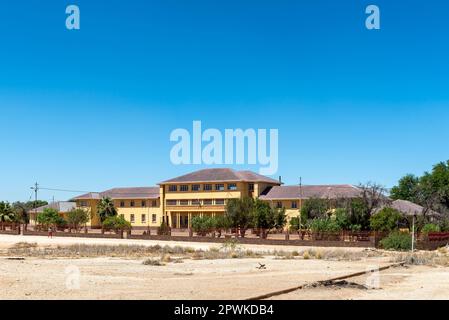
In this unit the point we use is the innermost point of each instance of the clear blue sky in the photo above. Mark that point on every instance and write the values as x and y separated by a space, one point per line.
93 109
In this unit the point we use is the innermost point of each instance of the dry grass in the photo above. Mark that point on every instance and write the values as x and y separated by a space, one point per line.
326 254
165 253
428 258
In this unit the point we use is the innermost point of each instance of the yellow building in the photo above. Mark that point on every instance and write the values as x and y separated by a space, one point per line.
204 192
292 197
141 206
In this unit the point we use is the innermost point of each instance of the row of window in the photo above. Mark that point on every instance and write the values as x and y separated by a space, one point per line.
206 187
143 218
293 205
142 203
205 202
132 203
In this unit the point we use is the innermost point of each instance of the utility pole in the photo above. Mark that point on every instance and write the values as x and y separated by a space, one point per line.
300 203
36 189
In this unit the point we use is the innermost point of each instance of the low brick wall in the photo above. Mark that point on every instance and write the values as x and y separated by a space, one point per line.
73 235
10 232
317 243
431 245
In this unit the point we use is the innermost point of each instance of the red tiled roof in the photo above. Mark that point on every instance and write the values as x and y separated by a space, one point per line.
123 193
220 175
305 192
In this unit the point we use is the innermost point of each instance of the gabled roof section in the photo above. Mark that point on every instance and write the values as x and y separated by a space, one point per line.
311 191
60 206
220 175
123 193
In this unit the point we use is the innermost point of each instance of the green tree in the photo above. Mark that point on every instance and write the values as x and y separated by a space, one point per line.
106 209
263 216
222 222
342 218
203 225
76 218
407 189
386 219
314 208
50 218
280 218
240 213
324 225
116 223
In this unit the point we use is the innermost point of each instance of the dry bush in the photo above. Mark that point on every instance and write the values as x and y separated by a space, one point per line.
153 262
432 258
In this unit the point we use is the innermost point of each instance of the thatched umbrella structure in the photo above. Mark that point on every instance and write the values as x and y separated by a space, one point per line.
413 210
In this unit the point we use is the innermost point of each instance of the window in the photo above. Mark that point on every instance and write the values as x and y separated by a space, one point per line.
171 202
122 203
279 205
143 203
207 187
183 202
153 218
154 203
232 186
133 219
132 203
196 187
251 187
196 202
184 187
83 203
219 202
207 202
173 188
143 218
219 187
294 204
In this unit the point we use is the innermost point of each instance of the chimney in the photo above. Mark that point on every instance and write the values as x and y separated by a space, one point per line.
280 179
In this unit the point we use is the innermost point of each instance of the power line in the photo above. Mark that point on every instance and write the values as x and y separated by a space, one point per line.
64 190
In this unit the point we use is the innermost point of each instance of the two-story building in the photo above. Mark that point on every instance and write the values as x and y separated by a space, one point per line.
205 192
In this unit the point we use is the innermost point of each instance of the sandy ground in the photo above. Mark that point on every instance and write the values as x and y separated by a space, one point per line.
121 278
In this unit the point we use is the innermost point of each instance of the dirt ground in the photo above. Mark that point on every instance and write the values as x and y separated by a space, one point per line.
28 277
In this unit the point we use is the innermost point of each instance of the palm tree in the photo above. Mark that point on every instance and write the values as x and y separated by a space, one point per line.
106 209
6 213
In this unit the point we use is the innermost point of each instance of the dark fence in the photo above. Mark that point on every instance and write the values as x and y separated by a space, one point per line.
9 228
429 241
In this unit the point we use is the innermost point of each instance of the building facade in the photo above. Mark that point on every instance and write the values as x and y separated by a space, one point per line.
205 192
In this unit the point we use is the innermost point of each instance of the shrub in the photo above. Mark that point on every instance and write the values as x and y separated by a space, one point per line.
294 224
397 241
76 218
385 220
342 218
430 227
163 229
153 262
355 227
50 218
116 223
444 225
314 208
203 225
324 225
